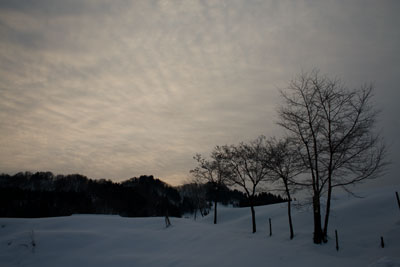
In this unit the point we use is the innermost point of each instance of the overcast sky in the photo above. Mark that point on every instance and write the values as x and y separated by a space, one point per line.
116 89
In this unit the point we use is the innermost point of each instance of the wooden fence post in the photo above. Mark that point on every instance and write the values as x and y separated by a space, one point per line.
337 241
270 227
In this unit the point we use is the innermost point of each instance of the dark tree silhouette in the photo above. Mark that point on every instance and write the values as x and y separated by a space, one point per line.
333 128
194 198
284 165
248 168
212 171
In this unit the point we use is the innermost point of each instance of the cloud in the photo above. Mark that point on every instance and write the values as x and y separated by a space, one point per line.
127 88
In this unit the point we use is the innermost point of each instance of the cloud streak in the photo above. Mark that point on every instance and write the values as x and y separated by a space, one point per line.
127 88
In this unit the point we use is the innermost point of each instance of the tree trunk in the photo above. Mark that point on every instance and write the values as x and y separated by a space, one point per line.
215 212
328 209
290 213
201 212
253 218
318 234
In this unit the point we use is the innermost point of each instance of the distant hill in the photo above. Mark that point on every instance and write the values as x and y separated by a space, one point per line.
43 194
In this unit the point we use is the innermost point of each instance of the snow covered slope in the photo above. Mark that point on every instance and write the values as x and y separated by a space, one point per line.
97 240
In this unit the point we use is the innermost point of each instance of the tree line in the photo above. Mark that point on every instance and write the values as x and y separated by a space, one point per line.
43 194
330 142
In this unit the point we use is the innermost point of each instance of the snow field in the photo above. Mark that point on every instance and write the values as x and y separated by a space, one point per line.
101 240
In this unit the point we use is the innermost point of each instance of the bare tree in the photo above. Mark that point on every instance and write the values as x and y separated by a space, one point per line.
195 194
334 130
212 171
284 165
248 168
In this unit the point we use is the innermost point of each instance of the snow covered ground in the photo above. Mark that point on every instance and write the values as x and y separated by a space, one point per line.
97 240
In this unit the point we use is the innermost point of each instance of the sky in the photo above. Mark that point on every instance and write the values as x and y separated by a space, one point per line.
117 89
